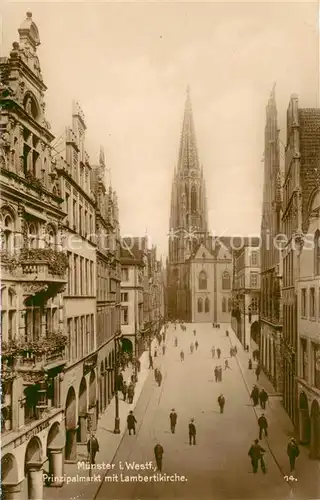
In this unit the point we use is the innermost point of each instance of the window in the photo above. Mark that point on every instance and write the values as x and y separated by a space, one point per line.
317 252
75 274
50 238
254 258
229 305
316 365
124 274
124 297
124 315
81 277
74 214
32 235
193 199
254 305
253 280
303 302
200 305
32 322
312 303
304 358
224 305
8 314
202 281
7 232
207 305
226 281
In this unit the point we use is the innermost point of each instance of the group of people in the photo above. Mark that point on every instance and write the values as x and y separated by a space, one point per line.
213 352
215 325
127 390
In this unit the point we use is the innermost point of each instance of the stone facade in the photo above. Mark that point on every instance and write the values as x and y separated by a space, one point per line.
54 354
271 282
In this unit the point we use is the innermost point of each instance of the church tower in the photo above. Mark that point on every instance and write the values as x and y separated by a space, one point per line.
188 218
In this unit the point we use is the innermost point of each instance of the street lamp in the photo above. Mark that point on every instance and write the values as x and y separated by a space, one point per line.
117 359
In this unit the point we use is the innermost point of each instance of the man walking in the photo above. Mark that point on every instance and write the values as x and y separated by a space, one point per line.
258 371
219 353
221 402
293 452
255 395
213 352
131 423
93 448
159 378
192 432
194 333
196 345
173 420
263 426
158 453
191 347
130 393
220 373
216 373
263 398
163 349
150 361
182 356
124 390
256 453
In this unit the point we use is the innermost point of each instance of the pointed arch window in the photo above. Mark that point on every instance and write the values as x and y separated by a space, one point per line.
207 305
8 314
200 305
226 281
202 281
317 252
193 199
50 237
229 305
224 305
32 235
7 227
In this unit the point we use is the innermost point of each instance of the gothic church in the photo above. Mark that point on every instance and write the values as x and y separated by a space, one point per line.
199 265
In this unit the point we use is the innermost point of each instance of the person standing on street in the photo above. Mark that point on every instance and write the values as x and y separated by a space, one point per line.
263 426
191 347
119 382
159 378
256 453
194 333
196 345
219 353
220 373
192 432
255 395
150 361
263 398
93 448
182 356
163 349
155 354
216 374
213 352
293 452
258 371
226 365
124 390
221 402
173 420
130 393
158 454
176 342
131 423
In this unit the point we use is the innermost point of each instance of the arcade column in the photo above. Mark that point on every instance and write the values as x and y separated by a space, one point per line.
56 466
83 428
11 491
35 480
71 445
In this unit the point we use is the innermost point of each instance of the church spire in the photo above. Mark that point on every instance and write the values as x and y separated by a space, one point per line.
188 154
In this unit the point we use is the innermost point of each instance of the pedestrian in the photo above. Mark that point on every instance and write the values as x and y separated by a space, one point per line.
256 453
263 426
235 350
133 379
164 336
124 390
293 452
250 364
194 333
150 361
158 454
263 398
163 349
226 365
131 423
176 342
191 348
255 395
213 352
130 393
173 420
220 373
155 354
93 448
196 345
258 371
231 352
221 402
156 374
192 432
182 356
119 382
138 362
219 353
212 325
159 378
216 373
227 333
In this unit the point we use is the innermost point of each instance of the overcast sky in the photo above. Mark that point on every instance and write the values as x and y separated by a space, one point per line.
128 65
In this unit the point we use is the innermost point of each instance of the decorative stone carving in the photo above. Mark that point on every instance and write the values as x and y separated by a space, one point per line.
34 288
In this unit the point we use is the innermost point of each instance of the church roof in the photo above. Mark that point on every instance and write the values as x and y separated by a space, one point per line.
230 243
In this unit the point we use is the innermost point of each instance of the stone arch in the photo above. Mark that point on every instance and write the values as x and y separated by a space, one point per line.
224 305
82 402
31 105
200 305
315 430
255 331
56 438
9 470
71 409
126 345
304 420
206 305
202 279
226 280
71 424
34 453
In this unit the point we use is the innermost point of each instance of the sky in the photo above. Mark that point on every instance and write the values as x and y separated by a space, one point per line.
128 65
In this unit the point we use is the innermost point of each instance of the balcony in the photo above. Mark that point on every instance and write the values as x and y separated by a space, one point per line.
42 264
33 359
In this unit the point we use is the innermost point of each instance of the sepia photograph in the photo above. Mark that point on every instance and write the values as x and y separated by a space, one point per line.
160 250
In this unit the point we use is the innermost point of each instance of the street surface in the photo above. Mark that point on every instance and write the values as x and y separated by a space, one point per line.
218 466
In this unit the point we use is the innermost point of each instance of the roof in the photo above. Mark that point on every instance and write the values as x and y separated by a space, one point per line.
132 250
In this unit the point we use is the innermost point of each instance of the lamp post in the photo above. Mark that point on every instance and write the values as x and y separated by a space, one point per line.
116 397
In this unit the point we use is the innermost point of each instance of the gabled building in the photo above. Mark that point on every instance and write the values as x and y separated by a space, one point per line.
271 357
